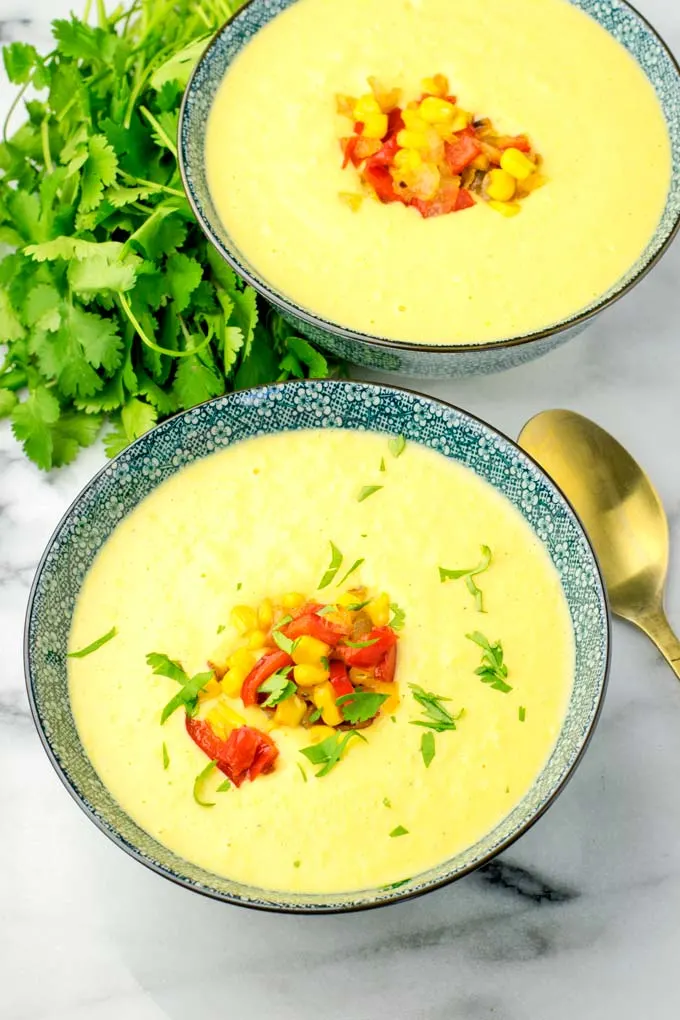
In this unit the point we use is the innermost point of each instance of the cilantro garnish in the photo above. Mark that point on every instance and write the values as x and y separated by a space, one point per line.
356 606
278 686
361 644
326 610
166 756
302 771
296 864
396 885
522 713
437 717
286 644
360 706
315 715
469 573
239 585
382 464
113 307
368 490
223 787
220 628
387 802
493 670
398 616
396 445
94 646
427 748
328 752
333 567
198 784
399 831
188 696
355 566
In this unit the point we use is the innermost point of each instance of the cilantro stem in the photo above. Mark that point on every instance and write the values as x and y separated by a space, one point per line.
17 99
45 139
160 131
101 14
125 305
86 12
153 186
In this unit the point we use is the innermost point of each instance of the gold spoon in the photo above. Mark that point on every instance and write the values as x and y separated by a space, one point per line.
621 512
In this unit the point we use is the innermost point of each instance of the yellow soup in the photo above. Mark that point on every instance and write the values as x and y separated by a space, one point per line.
535 66
256 520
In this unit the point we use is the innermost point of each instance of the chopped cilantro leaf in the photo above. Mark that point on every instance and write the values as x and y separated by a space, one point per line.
396 445
166 756
493 670
315 715
325 610
355 566
469 574
223 787
329 751
188 695
286 644
362 644
361 705
382 464
333 567
94 646
220 628
368 490
278 686
399 831
356 606
198 785
302 771
398 616
387 802
522 713
427 748
437 717
296 864
239 585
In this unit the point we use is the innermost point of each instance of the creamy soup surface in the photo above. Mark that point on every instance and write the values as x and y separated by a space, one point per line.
261 515
537 66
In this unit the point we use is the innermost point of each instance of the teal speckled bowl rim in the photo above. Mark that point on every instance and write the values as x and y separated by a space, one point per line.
363 899
612 295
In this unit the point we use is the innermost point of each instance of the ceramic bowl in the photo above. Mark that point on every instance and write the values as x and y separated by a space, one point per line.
126 481
421 360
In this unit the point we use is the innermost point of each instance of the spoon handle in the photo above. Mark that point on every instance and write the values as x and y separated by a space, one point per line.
657 627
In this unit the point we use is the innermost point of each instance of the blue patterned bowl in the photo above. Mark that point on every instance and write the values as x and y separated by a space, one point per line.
616 16
126 481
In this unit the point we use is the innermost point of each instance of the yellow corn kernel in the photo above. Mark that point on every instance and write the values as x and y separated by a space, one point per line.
309 651
290 712
232 682
461 120
366 106
375 125
318 733
306 675
244 618
216 725
436 86
407 160
500 185
408 139
211 690
223 720
480 162
350 199
516 163
324 698
437 111
265 614
379 610
256 639
355 595
413 121
505 208
242 659
392 692
361 677
293 600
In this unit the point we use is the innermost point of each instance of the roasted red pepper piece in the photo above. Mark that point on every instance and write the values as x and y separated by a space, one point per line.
460 153
380 179
384 670
444 202
348 150
382 637
340 679
520 142
464 200
247 751
318 627
358 127
261 671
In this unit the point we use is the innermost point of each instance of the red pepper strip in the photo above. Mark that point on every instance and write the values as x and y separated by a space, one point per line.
311 625
384 671
462 152
464 200
261 671
380 180
383 638
395 122
247 751
340 680
520 142
349 148
386 154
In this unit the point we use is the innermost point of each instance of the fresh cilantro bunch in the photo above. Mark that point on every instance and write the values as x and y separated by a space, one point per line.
113 306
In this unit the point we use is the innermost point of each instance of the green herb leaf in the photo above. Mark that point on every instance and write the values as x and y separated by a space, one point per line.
469 573
398 616
315 715
522 713
278 686
387 802
367 491
191 686
296 864
493 670
396 885
325 610
361 644
328 752
286 644
166 756
333 567
382 464
437 717
221 627
361 705
163 666
198 785
356 606
302 771
355 566
427 747
223 787
396 445
94 646
399 831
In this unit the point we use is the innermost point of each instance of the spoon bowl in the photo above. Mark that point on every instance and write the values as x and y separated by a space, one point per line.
621 512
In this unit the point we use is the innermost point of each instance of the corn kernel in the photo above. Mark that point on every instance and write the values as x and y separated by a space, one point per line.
366 106
307 675
413 121
232 682
265 614
480 162
379 610
500 185
516 163
407 160
375 125
318 733
244 618
351 200
223 720
461 120
309 651
361 677
216 725
290 712
256 639
505 208
324 698
243 659
211 690
437 111
293 600
355 595
392 692
408 139
436 86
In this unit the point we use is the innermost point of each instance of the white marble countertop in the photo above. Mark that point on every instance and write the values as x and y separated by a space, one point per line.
581 917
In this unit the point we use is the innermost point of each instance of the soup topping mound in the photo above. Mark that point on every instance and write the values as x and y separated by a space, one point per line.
326 667
433 155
